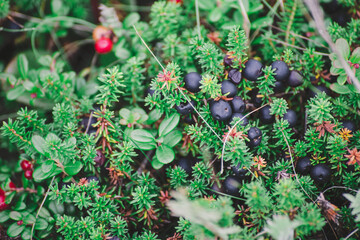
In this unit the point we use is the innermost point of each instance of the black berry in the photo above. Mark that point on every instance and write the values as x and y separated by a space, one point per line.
279 87
282 71
350 125
93 178
237 105
231 186
235 76
303 166
220 110
318 89
228 59
291 117
228 88
295 79
239 172
252 70
185 108
265 116
254 136
192 82
239 116
320 173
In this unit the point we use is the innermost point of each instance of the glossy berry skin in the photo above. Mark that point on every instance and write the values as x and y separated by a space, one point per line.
313 93
234 76
220 110
186 164
265 116
192 82
103 45
252 70
92 178
350 125
244 122
239 172
28 174
279 87
255 136
291 117
228 60
303 166
282 71
295 79
320 173
231 186
237 105
25 165
12 185
228 88
185 108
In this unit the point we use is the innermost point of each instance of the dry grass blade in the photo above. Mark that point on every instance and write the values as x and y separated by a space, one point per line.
318 17
247 23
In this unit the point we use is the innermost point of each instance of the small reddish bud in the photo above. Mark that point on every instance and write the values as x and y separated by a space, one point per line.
20 222
25 165
28 174
33 95
356 66
103 45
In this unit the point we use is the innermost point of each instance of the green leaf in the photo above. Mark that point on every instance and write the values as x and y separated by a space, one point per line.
281 227
38 143
51 137
215 15
343 47
28 85
29 219
156 164
15 230
154 115
39 175
26 234
165 154
342 79
172 138
131 19
168 124
23 66
261 22
355 56
73 168
141 135
144 146
4 216
14 93
41 224
124 113
341 89
47 166
15 215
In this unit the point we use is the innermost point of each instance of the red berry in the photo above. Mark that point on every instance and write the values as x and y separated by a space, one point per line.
26 165
176 1
103 45
2 193
12 185
28 174
356 65
20 222
33 95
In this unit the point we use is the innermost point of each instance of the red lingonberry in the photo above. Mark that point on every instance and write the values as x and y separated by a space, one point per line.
103 45
356 66
12 185
3 205
176 1
2 193
28 174
20 222
26 165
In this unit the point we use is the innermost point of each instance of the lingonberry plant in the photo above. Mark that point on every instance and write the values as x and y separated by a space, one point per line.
191 119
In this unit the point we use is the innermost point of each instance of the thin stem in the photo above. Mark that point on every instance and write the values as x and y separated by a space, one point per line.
181 91
247 23
338 187
42 203
352 233
228 134
197 18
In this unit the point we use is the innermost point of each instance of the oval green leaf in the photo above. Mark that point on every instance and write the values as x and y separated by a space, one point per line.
168 124
165 154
